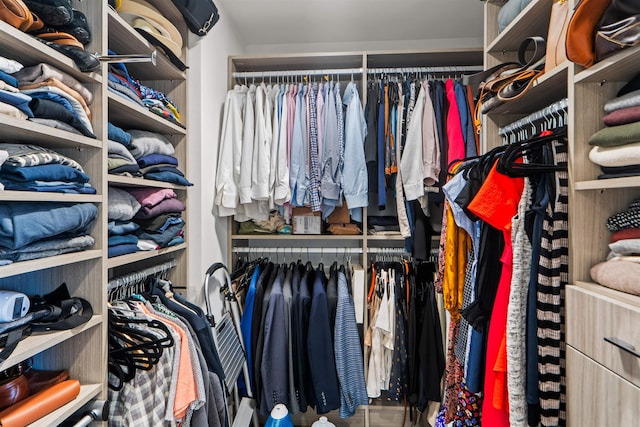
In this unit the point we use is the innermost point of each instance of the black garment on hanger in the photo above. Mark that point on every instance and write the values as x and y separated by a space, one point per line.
332 294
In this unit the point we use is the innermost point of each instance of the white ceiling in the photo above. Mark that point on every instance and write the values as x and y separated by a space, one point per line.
271 22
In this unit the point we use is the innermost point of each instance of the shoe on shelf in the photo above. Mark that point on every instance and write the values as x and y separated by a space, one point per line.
52 12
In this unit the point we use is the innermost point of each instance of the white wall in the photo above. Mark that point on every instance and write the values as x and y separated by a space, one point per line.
206 95
349 46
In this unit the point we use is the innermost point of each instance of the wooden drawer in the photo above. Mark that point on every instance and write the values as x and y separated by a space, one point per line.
594 313
596 397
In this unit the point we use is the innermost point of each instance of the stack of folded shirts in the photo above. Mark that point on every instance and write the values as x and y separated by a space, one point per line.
154 154
35 168
32 230
617 146
123 84
159 218
622 267
120 161
55 99
12 103
121 209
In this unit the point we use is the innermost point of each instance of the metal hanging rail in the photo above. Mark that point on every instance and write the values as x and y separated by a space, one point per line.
319 250
545 113
454 69
296 73
138 276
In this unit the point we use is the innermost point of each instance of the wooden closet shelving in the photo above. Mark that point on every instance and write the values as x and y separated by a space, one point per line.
166 77
378 414
83 350
603 381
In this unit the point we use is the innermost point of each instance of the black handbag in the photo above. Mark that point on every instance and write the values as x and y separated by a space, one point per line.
200 15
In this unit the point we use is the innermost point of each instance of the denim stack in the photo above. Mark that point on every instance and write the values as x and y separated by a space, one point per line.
143 219
32 230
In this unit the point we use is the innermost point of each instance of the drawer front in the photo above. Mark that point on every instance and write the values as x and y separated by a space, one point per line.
596 397
592 316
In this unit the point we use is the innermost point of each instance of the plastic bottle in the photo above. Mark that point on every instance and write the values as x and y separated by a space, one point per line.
323 422
279 417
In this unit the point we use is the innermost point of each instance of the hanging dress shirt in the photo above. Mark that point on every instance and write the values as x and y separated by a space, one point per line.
281 191
355 184
246 162
261 159
330 157
411 166
298 173
227 195
273 96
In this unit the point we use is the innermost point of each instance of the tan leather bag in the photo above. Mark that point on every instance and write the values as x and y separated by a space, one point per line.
581 32
556 38
18 15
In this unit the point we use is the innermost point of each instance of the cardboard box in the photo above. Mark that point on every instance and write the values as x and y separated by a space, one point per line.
306 222
340 215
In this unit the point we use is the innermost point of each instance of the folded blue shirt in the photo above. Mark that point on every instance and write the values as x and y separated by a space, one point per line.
155 159
22 223
18 100
118 228
55 98
9 79
122 240
49 172
167 176
162 239
49 186
118 250
114 133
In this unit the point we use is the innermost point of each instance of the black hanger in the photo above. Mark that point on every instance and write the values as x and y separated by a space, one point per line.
534 149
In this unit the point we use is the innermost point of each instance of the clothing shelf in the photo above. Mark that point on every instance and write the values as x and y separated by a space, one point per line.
143 255
33 196
604 184
550 87
533 20
28 131
124 39
29 51
125 181
295 237
50 262
35 344
128 115
619 67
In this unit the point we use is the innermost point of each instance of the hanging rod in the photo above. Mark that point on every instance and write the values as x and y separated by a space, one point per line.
425 70
305 250
294 73
544 113
137 276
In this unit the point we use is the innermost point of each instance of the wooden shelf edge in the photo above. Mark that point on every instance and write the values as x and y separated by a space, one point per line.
143 114
600 71
613 295
514 31
162 63
47 133
34 196
605 184
87 392
142 255
38 343
50 262
141 182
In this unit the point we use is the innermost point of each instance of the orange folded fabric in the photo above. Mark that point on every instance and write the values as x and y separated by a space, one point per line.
40 404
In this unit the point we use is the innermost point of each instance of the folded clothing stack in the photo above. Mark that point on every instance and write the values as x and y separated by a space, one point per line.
622 267
617 147
144 219
32 230
120 161
35 168
123 84
54 98
154 155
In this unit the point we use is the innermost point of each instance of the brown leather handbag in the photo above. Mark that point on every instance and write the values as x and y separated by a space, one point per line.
40 404
582 30
558 23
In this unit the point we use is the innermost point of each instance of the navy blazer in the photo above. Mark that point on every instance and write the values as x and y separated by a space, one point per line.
274 366
320 350
304 392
